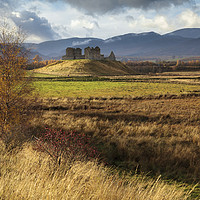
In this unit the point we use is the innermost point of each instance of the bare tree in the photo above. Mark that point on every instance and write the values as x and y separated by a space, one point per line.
14 86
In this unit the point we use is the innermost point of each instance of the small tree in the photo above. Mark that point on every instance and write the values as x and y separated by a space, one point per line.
37 59
13 82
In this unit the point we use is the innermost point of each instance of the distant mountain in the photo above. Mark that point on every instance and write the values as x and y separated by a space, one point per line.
184 42
187 33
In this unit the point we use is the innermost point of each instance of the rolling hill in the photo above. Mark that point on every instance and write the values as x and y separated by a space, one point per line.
86 68
180 43
187 33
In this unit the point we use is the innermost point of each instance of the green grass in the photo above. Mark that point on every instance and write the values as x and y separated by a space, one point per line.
108 89
39 75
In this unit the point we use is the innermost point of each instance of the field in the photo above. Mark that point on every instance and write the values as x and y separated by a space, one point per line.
145 126
152 135
144 123
109 89
117 86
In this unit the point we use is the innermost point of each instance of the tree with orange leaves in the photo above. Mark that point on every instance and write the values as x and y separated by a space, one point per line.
37 59
13 82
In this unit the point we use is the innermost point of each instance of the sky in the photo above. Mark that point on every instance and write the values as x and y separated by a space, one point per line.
45 20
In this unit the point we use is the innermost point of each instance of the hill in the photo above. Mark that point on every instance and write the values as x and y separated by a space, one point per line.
181 43
86 68
187 33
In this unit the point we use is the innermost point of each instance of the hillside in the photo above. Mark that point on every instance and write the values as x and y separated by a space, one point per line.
86 68
186 33
180 43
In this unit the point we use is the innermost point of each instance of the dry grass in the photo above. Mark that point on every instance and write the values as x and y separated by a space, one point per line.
157 135
28 174
165 77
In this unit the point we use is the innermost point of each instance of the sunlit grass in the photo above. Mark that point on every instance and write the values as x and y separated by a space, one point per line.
108 89
38 75
28 174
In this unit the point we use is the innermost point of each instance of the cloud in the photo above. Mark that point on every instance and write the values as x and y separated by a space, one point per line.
7 6
158 23
62 30
189 19
84 24
110 40
81 43
129 18
35 26
54 19
104 6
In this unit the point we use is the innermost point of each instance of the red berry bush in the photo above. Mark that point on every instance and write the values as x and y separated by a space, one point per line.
71 144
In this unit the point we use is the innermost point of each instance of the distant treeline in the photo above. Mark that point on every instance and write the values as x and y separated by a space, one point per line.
38 62
163 66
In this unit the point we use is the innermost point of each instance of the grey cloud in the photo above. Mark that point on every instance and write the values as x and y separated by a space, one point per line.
103 6
96 24
34 25
110 40
62 30
89 31
8 3
129 18
7 6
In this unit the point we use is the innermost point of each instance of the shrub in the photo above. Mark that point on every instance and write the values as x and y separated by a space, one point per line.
70 144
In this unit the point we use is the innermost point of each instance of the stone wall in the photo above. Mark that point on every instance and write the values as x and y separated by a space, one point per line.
111 56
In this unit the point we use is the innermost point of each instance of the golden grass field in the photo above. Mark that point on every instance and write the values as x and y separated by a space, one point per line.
27 174
157 135
146 128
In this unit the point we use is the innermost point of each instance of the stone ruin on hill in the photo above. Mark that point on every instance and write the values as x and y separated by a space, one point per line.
89 53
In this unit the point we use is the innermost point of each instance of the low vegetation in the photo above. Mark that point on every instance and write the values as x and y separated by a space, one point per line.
28 174
160 136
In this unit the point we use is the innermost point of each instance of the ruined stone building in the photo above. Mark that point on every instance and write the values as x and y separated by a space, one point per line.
93 53
89 53
111 56
72 53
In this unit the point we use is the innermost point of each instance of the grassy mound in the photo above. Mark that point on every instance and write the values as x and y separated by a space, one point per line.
86 68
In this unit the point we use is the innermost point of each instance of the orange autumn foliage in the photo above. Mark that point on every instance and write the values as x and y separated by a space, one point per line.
13 83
